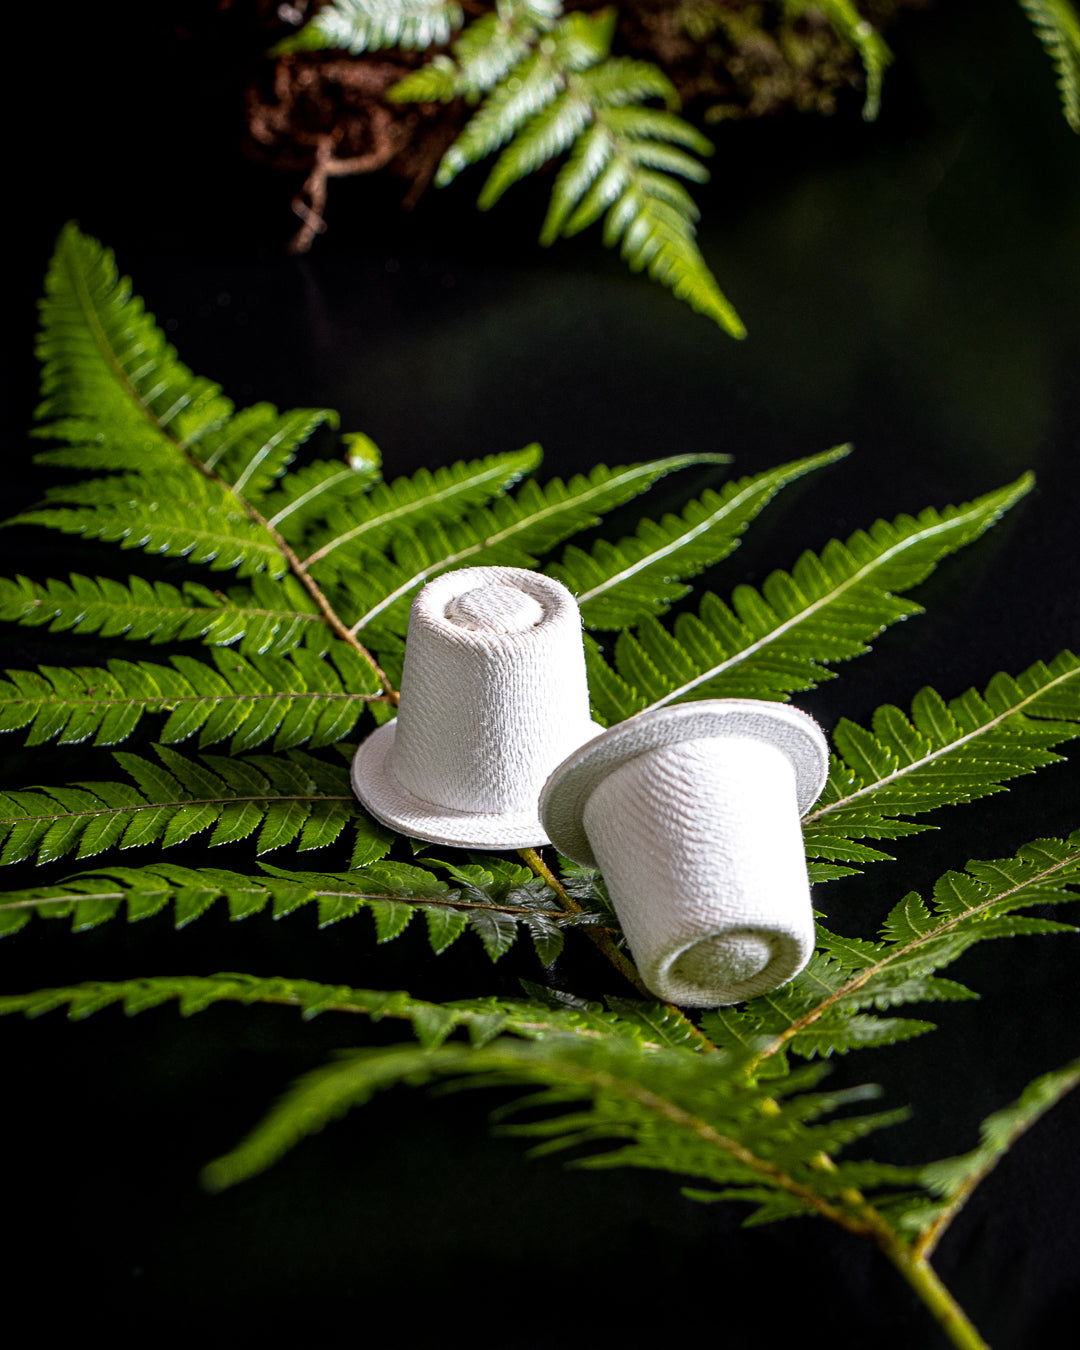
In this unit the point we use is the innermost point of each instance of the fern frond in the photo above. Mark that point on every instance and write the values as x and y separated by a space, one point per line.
954 1179
1057 26
284 798
389 509
486 51
875 55
187 517
822 1011
575 43
495 904
370 25
116 391
771 643
301 697
431 1022
269 616
257 445
944 754
510 532
695 1115
619 584
106 366
568 93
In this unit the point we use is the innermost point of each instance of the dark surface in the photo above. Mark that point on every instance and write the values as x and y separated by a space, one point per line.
910 286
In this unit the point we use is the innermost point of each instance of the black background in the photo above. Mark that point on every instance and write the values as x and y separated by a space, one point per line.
910 286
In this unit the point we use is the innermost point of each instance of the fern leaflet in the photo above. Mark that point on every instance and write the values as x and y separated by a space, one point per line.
286 798
510 532
563 91
769 644
1057 26
953 1179
696 1115
389 509
619 584
157 612
176 515
301 697
863 36
943 754
821 1012
369 25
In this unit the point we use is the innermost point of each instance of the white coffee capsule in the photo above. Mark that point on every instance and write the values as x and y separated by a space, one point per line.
493 696
692 815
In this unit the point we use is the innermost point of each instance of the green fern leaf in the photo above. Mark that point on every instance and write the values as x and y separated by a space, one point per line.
432 1022
107 367
309 493
691 1114
821 1011
203 525
1057 26
391 509
567 93
257 445
370 25
298 698
618 584
952 1178
485 52
945 753
495 909
863 36
767 645
546 135
511 532
256 617
288 798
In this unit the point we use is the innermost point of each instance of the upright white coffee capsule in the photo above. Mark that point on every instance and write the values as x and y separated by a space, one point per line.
692 815
493 696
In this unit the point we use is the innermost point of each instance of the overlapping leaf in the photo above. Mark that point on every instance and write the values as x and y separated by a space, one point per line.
511 532
690 1114
489 48
940 755
771 643
368 523
174 514
618 584
1057 26
369 25
268 616
823 1011
304 696
285 799
497 903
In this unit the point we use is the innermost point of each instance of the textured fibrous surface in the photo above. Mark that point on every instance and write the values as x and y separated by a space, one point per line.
692 815
493 696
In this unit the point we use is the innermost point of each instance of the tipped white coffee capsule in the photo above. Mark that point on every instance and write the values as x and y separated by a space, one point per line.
493 696
692 815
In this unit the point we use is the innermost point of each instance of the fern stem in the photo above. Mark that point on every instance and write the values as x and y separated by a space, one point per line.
924 1280
857 981
600 936
333 622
